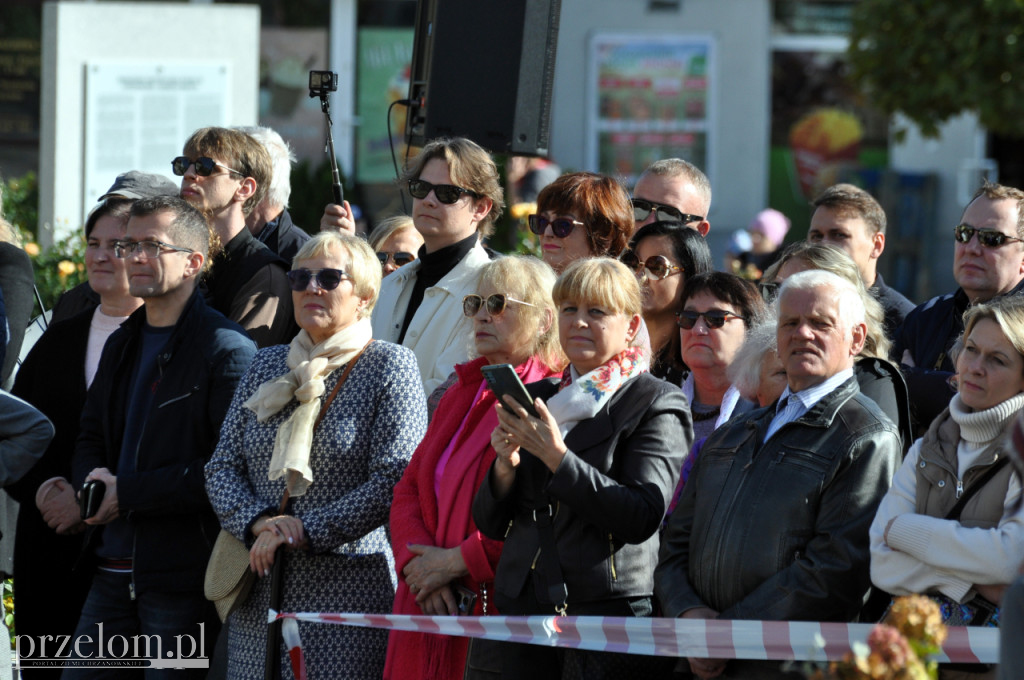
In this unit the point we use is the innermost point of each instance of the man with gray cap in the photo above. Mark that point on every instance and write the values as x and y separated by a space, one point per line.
128 187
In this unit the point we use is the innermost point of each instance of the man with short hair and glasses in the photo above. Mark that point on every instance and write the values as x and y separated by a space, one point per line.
673 189
988 261
226 173
150 422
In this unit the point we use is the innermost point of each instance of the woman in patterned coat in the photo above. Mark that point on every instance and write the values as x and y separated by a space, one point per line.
339 473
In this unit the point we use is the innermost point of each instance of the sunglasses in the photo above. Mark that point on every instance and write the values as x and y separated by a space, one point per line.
656 267
495 304
401 258
204 166
714 318
326 279
560 226
446 193
989 238
642 209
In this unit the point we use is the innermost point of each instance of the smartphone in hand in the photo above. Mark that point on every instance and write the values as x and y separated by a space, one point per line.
91 497
502 380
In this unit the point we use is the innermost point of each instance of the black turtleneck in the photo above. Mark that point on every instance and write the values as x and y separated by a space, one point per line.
433 267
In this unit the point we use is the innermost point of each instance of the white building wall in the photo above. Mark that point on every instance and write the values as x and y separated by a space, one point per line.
75 33
741 82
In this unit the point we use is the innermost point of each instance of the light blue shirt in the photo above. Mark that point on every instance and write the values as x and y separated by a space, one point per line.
799 403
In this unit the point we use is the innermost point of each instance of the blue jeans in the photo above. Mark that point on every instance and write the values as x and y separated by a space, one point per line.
172 625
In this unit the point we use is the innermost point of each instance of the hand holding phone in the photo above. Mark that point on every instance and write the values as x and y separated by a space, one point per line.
502 380
91 497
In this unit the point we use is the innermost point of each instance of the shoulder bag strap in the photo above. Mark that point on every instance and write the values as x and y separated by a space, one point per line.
976 487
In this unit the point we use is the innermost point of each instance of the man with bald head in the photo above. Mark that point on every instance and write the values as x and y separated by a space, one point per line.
673 189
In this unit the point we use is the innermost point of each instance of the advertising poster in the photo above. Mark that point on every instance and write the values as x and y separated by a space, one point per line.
823 131
650 99
384 61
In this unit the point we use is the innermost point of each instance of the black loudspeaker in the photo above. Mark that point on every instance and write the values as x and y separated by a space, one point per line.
483 69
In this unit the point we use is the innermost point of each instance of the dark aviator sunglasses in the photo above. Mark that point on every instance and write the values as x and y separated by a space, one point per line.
988 238
326 279
714 318
401 258
204 166
445 193
642 209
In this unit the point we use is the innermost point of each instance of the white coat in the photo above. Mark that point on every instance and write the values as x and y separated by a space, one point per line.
439 334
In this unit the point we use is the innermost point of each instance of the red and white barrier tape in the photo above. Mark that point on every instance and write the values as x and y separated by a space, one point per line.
716 639
290 634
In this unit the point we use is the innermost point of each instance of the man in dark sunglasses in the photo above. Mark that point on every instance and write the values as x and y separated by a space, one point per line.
225 173
988 262
454 205
673 190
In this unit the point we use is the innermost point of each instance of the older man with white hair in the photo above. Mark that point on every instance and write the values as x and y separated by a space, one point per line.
773 521
270 222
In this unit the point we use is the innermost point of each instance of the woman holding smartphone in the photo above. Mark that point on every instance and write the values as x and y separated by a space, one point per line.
578 493
440 556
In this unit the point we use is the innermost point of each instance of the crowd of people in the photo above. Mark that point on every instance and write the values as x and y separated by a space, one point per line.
698 445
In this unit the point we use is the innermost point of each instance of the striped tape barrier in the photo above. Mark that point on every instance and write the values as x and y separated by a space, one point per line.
711 638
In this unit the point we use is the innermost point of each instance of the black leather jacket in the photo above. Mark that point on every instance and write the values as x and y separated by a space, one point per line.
608 496
779 530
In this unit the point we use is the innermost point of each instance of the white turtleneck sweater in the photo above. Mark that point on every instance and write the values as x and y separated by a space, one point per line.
931 553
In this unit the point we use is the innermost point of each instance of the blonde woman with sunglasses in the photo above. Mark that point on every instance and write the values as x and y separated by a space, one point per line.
439 554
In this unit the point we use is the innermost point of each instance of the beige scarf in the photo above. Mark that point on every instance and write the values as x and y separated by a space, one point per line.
310 364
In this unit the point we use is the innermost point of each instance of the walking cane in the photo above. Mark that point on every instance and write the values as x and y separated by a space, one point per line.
273 660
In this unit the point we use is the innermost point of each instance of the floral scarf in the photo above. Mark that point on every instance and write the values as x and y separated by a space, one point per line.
581 397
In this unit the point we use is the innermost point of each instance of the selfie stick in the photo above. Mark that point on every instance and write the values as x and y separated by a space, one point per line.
325 106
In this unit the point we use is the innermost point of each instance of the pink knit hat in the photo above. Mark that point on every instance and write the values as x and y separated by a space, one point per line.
772 224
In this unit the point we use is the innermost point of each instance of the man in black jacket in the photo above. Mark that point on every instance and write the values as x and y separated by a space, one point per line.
270 222
988 261
150 423
225 173
849 218
773 521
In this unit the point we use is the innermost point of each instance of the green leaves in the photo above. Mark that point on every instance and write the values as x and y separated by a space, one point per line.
934 59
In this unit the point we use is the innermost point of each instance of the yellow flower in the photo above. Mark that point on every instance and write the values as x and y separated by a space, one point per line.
32 249
520 211
65 268
918 618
